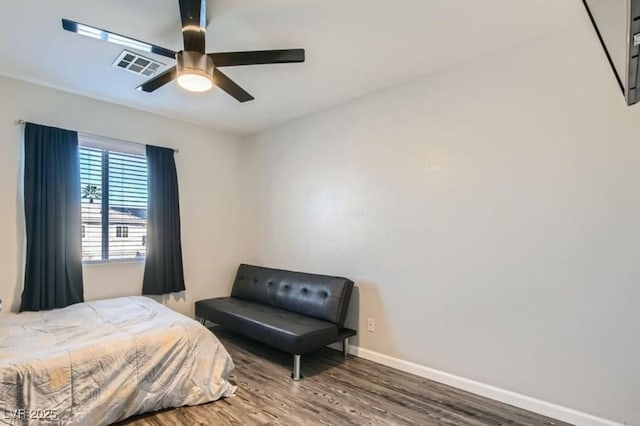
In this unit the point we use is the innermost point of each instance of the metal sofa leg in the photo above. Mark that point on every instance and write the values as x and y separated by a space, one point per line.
345 347
296 368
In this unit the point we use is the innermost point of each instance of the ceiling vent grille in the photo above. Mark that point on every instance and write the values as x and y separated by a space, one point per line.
137 64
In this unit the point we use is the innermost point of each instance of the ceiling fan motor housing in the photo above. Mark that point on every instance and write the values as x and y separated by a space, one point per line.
194 63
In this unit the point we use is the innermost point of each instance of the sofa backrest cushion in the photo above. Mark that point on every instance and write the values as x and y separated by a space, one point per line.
318 296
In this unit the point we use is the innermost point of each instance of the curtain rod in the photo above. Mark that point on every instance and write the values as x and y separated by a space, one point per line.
21 122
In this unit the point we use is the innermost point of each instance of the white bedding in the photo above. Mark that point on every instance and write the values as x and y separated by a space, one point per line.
95 363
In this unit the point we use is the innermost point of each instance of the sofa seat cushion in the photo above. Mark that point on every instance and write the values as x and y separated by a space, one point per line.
289 331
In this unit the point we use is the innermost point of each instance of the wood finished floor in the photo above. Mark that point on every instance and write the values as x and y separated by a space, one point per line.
334 392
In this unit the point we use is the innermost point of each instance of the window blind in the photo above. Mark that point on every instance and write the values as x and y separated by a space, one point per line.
114 204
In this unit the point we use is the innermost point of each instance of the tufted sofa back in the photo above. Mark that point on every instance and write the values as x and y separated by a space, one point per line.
319 296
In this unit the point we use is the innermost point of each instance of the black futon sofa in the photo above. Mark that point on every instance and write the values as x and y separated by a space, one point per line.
292 311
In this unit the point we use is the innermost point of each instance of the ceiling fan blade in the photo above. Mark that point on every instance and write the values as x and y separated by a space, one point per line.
193 14
226 84
100 34
159 80
257 57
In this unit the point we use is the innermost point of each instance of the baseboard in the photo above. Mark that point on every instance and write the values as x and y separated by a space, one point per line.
512 398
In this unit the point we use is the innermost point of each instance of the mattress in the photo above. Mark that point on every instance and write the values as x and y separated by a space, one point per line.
98 362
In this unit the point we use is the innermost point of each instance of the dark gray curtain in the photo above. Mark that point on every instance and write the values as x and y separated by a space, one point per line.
53 270
163 271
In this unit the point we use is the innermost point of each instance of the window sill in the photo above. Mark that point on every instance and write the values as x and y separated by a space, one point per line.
112 261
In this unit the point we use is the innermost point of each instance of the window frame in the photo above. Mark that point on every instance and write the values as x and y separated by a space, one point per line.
106 145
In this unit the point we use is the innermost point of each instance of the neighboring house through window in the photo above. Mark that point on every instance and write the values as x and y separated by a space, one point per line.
113 177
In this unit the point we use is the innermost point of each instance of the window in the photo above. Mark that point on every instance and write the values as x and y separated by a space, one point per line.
122 232
113 179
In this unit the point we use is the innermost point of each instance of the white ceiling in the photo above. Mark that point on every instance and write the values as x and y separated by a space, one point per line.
353 47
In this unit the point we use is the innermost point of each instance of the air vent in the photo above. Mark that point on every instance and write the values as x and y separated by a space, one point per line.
137 64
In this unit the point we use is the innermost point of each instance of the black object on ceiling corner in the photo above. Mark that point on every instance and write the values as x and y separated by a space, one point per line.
617 25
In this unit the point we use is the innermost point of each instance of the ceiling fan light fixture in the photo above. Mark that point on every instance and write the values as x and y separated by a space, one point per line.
195 71
195 82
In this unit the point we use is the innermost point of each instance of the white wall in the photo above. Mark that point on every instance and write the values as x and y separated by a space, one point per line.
489 214
209 176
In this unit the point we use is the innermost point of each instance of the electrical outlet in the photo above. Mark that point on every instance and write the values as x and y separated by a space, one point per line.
371 325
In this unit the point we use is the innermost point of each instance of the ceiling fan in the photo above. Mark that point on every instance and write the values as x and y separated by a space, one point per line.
195 70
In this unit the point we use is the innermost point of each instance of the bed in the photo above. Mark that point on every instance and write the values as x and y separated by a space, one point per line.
99 362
